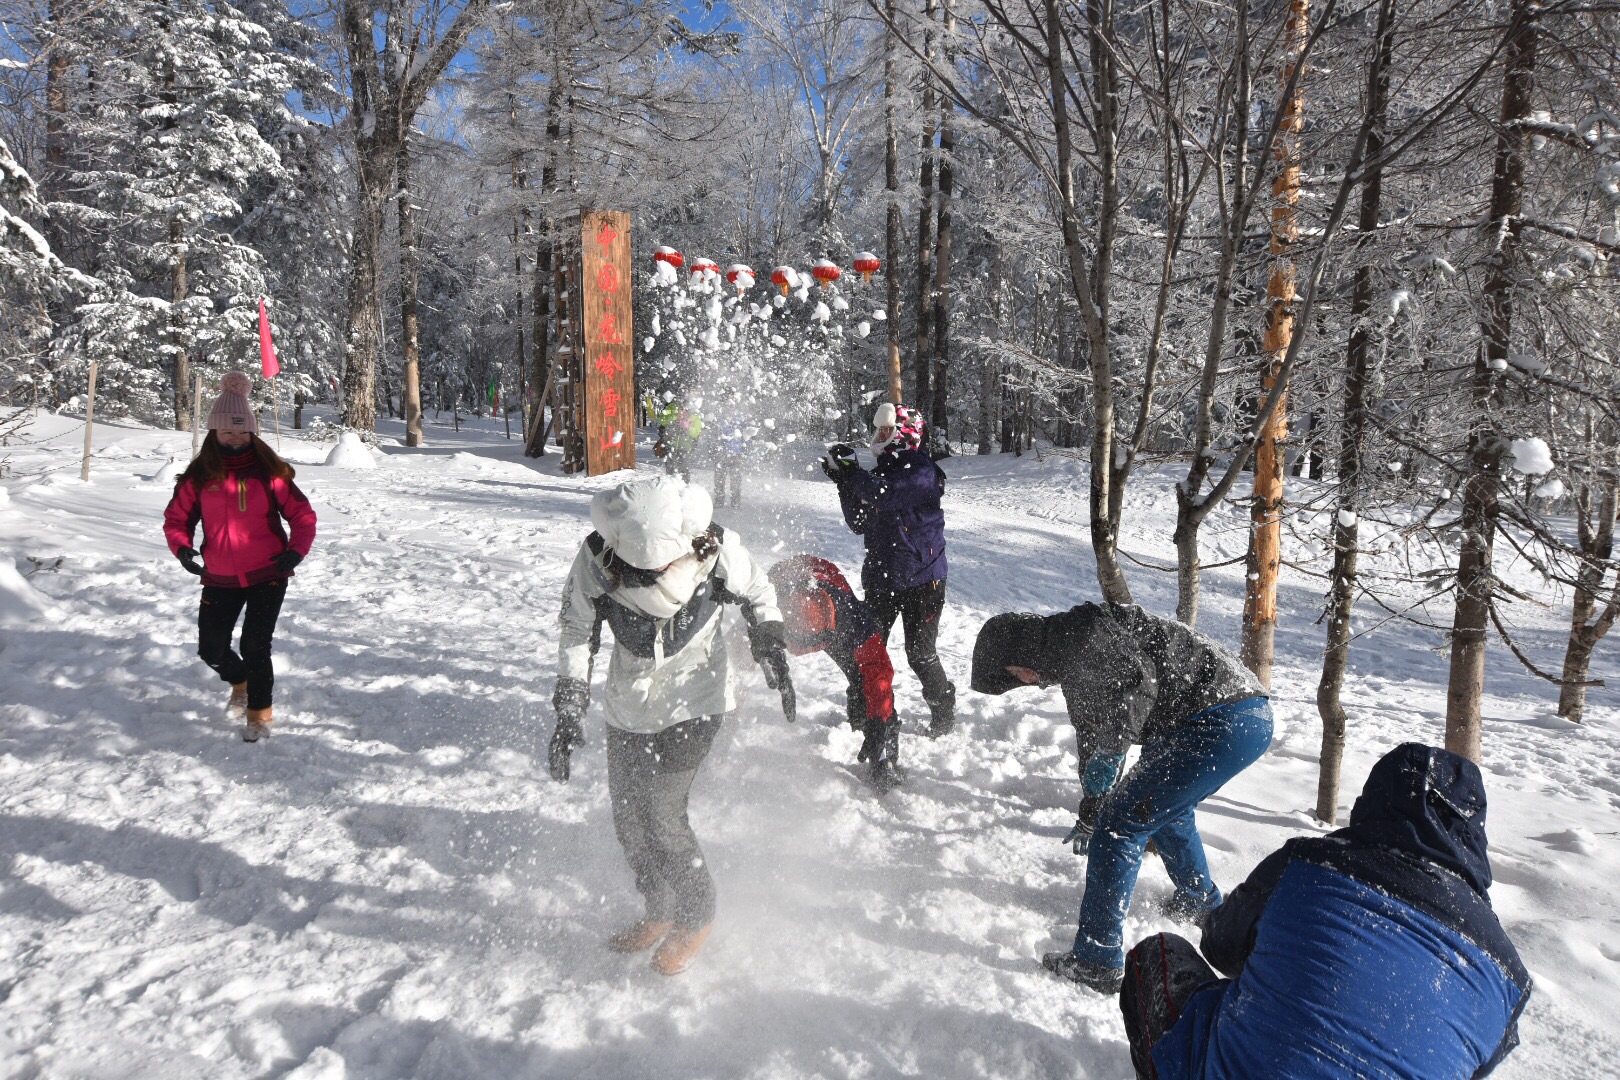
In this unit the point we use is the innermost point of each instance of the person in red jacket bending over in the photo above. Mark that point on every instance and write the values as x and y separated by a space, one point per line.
240 491
821 613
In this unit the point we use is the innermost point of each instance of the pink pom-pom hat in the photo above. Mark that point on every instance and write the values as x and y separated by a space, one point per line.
232 410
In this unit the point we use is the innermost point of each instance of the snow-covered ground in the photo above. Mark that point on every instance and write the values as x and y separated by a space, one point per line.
390 887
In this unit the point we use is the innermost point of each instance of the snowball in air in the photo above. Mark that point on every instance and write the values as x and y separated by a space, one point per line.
1551 489
1531 456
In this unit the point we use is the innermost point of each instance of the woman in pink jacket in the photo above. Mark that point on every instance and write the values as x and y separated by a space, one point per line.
239 490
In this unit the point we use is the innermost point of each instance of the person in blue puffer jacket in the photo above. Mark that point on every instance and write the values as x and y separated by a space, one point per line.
895 508
1370 952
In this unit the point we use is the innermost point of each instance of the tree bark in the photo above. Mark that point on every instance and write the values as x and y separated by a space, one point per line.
923 361
1086 287
1352 438
179 339
408 278
939 422
891 184
1265 534
1596 524
386 90
1481 487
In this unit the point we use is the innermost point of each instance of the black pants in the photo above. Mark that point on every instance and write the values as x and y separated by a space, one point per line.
649 779
1161 974
216 622
919 610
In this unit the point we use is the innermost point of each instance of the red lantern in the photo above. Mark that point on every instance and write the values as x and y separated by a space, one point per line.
700 266
785 278
668 255
825 271
866 264
740 276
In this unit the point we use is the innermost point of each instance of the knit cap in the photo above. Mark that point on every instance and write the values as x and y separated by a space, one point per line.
232 411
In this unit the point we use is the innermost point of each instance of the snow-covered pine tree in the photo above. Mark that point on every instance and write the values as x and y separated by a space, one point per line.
168 140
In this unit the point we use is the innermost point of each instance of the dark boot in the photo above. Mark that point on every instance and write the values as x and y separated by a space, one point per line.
882 749
942 713
1104 980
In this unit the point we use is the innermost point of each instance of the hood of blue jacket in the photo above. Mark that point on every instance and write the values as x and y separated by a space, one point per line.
1429 803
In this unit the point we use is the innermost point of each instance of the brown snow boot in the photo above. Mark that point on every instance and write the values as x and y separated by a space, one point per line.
642 934
258 724
237 707
678 951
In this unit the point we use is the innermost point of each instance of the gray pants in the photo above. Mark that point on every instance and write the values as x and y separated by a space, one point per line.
649 778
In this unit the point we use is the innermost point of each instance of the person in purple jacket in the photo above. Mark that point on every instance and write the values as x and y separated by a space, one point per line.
895 508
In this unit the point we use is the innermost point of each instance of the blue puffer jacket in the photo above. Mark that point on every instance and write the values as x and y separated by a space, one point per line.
895 507
1369 952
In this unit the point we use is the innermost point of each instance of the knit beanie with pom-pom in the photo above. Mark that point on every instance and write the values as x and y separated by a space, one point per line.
232 411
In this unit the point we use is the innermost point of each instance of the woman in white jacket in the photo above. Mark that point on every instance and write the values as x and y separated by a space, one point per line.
656 571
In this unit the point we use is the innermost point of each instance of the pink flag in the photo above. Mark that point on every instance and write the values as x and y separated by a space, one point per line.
267 351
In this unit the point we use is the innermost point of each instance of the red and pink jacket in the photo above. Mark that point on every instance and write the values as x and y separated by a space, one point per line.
241 516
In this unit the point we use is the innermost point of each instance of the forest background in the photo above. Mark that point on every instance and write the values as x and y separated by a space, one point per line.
1366 244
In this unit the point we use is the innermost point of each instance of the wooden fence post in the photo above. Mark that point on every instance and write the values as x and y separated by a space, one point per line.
89 421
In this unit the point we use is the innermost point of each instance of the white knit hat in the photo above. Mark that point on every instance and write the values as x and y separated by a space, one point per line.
232 411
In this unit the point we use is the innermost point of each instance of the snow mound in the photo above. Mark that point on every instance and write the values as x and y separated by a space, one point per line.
350 453
21 605
1531 456
170 472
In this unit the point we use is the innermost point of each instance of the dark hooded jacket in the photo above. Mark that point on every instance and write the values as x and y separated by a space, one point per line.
1370 952
896 509
1127 676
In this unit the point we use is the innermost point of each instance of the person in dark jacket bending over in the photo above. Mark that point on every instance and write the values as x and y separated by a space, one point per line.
1130 677
896 509
821 613
1370 952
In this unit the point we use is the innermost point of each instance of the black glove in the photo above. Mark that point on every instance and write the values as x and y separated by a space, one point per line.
568 701
766 642
839 462
1085 823
188 559
285 562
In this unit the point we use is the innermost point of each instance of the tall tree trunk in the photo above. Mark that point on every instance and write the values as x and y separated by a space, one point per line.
940 422
1596 502
923 361
1482 485
1192 503
1265 534
386 89
409 263
1092 281
364 340
891 183
56 111
545 281
1352 437
179 338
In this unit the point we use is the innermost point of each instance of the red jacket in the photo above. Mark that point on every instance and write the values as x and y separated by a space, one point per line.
241 516
821 613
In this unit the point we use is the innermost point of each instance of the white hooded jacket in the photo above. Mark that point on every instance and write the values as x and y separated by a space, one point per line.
669 662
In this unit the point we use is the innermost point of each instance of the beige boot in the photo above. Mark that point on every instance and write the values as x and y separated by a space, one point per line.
237 707
642 934
258 724
678 951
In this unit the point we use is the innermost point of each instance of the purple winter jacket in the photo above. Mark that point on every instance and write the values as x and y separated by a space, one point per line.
895 507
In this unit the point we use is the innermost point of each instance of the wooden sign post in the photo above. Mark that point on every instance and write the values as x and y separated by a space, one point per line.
610 429
89 422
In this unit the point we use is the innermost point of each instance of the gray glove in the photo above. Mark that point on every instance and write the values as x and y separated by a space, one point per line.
568 701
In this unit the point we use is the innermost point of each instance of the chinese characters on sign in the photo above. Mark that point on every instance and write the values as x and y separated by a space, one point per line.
609 377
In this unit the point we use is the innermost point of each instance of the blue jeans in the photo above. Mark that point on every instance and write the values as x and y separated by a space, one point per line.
1156 800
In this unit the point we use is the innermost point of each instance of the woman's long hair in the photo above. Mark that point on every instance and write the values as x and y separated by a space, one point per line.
209 464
